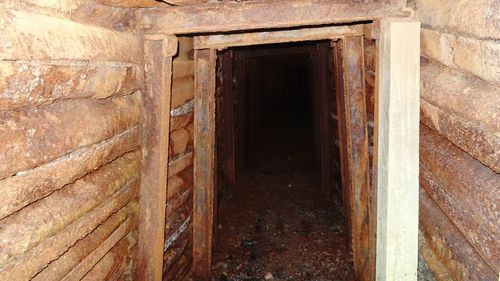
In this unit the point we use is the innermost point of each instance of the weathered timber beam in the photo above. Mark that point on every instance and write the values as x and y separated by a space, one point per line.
272 37
133 3
475 140
478 57
25 84
479 20
112 265
435 266
87 12
354 112
457 182
97 189
218 17
204 161
25 266
274 53
458 105
158 52
57 269
24 188
450 247
79 271
31 36
464 95
42 137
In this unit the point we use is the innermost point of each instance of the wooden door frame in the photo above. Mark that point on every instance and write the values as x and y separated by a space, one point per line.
392 93
205 91
158 52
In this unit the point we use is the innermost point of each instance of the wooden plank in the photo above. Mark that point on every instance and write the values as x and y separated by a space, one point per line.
450 247
26 84
204 166
32 137
397 120
456 182
324 73
463 52
374 155
25 266
85 12
232 16
274 52
79 271
25 188
357 151
342 127
437 269
315 89
32 36
239 96
273 37
153 193
464 109
57 269
229 122
133 3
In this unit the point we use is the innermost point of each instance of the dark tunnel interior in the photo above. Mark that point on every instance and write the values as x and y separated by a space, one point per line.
276 215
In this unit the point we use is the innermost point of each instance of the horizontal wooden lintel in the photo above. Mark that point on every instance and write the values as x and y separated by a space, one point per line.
258 15
276 36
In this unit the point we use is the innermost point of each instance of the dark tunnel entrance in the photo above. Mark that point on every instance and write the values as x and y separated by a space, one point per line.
279 208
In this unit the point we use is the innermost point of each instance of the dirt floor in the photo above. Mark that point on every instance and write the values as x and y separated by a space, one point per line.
276 224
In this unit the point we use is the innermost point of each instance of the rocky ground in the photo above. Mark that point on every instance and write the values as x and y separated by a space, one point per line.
277 225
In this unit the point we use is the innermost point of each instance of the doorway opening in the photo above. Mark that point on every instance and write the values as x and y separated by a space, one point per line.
388 210
279 204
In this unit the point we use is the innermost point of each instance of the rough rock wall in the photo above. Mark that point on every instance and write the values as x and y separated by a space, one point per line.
178 232
70 75
460 138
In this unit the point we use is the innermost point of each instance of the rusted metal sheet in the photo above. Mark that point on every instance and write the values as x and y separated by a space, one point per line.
218 17
273 37
357 153
456 181
204 162
159 50
450 247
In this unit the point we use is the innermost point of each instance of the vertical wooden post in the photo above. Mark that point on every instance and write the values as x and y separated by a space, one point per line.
159 50
341 128
324 73
229 124
397 144
239 96
204 161
357 152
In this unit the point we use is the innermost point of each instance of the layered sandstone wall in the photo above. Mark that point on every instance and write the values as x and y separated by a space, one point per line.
70 80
